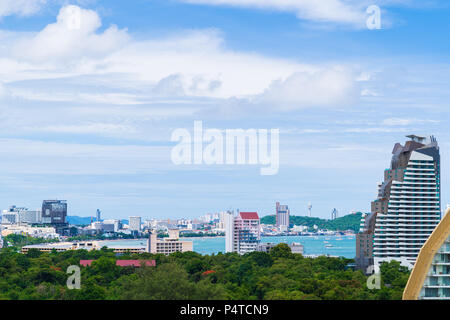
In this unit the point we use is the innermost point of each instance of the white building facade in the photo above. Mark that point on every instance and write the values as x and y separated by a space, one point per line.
413 205
228 221
135 224
282 216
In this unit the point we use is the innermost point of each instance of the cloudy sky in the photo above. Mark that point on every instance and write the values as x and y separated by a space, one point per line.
92 90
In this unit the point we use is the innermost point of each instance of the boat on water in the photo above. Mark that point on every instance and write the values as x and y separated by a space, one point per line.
328 246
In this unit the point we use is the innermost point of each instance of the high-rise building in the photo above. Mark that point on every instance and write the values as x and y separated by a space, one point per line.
135 224
334 214
99 215
16 215
54 211
364 242
228 222
242 233
10 217
30 216
282 216
408 206
113 224
430 277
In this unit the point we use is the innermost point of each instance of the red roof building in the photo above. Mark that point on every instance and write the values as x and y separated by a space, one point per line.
246 233
249 215
124 263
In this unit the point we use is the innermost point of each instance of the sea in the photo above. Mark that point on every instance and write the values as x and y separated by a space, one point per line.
341 246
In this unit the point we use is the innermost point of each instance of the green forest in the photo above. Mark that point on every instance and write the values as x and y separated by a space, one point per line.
348 222
278 275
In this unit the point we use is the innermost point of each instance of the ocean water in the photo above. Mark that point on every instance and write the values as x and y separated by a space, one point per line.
340 245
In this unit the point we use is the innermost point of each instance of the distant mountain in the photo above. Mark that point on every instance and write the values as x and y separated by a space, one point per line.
78 221
348 222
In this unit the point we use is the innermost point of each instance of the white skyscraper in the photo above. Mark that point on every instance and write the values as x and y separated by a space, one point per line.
408 207
135 224
242 232
282 216
228 218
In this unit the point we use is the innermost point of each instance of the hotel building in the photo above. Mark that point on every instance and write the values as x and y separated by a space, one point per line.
154 245
282 217
242 233
168 245
135 224
364 242
408 207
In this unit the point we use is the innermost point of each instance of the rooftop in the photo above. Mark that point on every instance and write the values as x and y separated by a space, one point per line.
249 215
124 263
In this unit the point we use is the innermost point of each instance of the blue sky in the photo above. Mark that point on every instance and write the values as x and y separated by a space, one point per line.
87 115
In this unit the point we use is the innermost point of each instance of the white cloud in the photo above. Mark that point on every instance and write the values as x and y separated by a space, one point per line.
406 121
197 63
375 130
335 87
20 7
81 81
336 11
190 64
72 36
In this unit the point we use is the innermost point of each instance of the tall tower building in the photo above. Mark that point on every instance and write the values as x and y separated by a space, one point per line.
228 218
247 234
408 206
54 212
282 216
135 223
334 214
364 242
242 232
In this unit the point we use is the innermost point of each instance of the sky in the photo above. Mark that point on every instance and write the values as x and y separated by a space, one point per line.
91 92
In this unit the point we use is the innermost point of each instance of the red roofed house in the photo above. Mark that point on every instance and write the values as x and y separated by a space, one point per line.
124 263
246 232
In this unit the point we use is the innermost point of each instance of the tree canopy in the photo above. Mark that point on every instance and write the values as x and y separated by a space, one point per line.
257 275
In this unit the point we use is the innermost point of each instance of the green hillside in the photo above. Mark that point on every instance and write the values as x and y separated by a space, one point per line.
348 222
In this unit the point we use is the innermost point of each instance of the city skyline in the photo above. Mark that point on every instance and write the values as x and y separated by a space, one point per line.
92 124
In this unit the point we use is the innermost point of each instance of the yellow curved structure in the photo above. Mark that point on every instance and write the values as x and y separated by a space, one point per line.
425 258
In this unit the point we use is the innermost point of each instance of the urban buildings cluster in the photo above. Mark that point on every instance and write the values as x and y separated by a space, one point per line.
166 245
48 222
404 224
